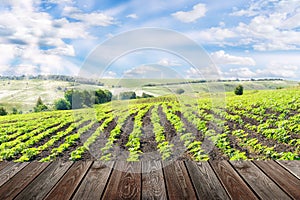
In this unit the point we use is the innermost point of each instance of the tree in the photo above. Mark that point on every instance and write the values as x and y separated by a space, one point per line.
40 106
179 91
87 98
62 104
14 111
3 111
127 95
75 98
239 90
144 95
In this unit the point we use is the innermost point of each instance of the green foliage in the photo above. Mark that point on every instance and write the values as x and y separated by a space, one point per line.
79 99
179 91
145 95
127 95
62 104
240 132
239 90
40 106
14 111
3 111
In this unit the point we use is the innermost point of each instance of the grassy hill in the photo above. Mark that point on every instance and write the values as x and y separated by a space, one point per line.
23 94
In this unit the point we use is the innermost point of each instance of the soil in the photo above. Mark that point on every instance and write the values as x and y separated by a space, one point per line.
119 150
148 142
179 150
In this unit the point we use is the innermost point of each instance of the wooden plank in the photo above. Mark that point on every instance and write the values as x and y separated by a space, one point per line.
205 181
179 185
16 184
125 184
293 166
3 164
10 170
263 186
153 184
92 186
289 183
233 183
43 184
69 182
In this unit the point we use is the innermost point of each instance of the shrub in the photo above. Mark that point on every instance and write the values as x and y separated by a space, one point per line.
3 111
127 95
144 95
62 104
239 90
179 91
40 106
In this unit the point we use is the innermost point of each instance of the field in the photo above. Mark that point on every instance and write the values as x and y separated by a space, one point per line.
259 125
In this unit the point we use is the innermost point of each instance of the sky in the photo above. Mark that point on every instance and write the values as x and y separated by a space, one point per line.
243 38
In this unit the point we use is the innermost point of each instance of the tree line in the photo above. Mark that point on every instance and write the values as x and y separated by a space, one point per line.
76 99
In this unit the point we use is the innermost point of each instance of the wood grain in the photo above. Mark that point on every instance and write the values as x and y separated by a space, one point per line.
293 166
205 181
69 182
263 186
289 183
43 184
92 186
3 164
153 184
179 185
125 184
10 170
233 183
17 183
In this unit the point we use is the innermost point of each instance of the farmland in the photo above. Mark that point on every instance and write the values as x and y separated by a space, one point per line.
259 125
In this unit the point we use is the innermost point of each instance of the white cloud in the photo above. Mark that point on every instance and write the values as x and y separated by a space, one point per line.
168 63
109 75
243 72
94 18
132 16
279 70
193 73
198 11
140 71
213 35
273 26
36 40
222 58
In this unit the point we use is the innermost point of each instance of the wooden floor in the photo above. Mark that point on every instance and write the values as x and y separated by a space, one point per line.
178 180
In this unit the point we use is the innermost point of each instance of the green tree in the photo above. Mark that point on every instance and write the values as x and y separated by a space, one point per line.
75 98
239 90
14 111
127 95
40 106
62 104
3 111
144 95
179 91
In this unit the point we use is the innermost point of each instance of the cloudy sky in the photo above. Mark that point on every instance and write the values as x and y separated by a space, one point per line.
245 39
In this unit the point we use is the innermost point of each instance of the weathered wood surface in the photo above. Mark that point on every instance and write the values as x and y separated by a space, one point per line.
150 180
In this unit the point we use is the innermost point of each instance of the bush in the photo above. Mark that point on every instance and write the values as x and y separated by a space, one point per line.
62 104
127 95
3 111
179 91
40 106
14 111
144 95
239 90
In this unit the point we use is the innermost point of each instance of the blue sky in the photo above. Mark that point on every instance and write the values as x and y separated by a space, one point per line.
245 39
